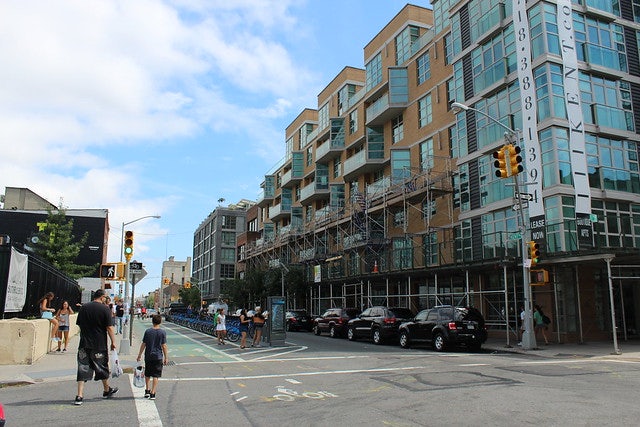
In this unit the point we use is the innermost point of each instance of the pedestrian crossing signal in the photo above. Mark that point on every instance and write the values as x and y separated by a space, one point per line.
114 271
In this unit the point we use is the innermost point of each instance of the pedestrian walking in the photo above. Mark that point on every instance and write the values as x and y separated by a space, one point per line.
258 324
540 324
46 312
221 325
94 320
244 327
63 325
156 354
522 325
119 316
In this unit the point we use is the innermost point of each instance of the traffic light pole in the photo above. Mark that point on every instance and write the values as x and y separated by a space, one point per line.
125 341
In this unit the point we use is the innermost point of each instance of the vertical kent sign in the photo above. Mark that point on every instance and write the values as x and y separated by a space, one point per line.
576 125
528 102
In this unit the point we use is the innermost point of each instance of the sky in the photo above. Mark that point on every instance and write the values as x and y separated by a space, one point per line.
152 107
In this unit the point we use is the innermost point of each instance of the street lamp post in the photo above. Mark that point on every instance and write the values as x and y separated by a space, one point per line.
528 337
125 344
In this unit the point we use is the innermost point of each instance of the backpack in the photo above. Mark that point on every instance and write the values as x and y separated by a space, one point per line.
215 319
545 319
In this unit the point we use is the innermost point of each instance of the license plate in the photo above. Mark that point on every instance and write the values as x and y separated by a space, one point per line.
471 327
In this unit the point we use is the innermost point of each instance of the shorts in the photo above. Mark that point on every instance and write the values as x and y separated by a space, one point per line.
153 368
46 315
63 328
92 364
258 325
244 327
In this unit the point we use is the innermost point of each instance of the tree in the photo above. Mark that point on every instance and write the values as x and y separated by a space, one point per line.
57 245
191 296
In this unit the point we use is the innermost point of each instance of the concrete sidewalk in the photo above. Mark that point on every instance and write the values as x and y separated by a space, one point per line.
57 366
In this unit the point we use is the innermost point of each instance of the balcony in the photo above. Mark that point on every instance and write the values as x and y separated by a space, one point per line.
314 191
381 111
278 211
328 150
289 179
359 163
265 198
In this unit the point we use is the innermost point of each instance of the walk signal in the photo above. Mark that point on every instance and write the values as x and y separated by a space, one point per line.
539 277
113 270
501 162
128 244
534 252
515 160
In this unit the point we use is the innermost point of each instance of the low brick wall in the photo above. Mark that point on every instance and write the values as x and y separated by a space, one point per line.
23 342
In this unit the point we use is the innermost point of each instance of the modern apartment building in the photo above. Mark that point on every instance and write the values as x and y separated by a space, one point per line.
388 195
214 247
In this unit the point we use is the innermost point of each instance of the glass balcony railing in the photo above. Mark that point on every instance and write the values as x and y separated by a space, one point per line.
611 117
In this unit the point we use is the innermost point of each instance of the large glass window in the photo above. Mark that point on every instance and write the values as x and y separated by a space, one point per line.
461 195
400 166
430 244
375 142
397 129
344 95
497 227
606 102
613 164
402 253
426 155
600 42
373 70
353 122
486 14
229 238
423 66
492 188
323 116
404 40
493 60
425 111
550 91
556 157
455 86
227 254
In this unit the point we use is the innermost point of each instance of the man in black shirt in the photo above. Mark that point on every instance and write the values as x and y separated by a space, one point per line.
94 320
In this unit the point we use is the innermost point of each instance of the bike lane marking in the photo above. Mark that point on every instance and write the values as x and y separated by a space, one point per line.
148 415
183 345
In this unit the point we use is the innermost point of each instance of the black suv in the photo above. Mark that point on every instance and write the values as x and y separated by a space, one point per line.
298 320
334 321
444 326
378 323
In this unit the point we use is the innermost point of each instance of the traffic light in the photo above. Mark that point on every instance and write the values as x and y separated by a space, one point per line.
515 160
187 285
539 277
534 252
128 244
501 162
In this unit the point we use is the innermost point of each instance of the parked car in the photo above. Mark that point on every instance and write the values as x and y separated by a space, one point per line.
298 320
378 323
334 321
445 326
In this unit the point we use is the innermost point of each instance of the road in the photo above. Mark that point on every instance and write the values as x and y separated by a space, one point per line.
320 381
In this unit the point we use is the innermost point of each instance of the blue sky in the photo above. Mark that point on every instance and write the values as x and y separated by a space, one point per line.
153 107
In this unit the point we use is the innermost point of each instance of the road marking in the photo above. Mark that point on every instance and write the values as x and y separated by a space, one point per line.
204 345
563 361
148 415
292 381
261 360
282 353
241 398
234 393
302 374
474 364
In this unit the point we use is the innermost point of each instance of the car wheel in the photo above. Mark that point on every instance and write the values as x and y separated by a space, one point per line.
439 344
351 334
404 339
377 337
316 330
332 332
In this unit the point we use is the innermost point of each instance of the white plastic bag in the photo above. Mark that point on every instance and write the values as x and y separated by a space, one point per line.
138 377
116 369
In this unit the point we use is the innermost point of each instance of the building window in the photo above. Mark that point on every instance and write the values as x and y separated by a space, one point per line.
398 129
426 155
227 254
424 111
400 166
404 41
336 167
309 156
373 70
402 256
323 116
353 122
229 221
423 65
227 271
228 238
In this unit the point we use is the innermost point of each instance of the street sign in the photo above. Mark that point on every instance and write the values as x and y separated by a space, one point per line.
516 206
515 236
138 275
135 267
523 196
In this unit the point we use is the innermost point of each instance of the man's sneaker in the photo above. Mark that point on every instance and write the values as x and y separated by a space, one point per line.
146 394
58 350
78 400
152 396
111 392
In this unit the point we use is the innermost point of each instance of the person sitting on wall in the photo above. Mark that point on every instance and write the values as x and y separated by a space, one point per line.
46 312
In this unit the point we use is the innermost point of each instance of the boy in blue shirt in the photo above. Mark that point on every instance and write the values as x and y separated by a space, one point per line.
154 346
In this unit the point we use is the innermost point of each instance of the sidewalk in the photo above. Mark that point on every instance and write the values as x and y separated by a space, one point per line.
56 366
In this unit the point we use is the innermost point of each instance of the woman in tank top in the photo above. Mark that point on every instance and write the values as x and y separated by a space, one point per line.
63 324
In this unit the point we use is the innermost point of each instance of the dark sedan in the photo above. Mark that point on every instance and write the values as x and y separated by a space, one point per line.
445 326
334 321
298 320
379 324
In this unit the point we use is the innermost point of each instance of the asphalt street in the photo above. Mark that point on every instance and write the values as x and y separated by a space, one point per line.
320 381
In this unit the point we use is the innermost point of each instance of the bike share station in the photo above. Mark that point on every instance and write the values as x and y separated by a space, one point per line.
276 331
